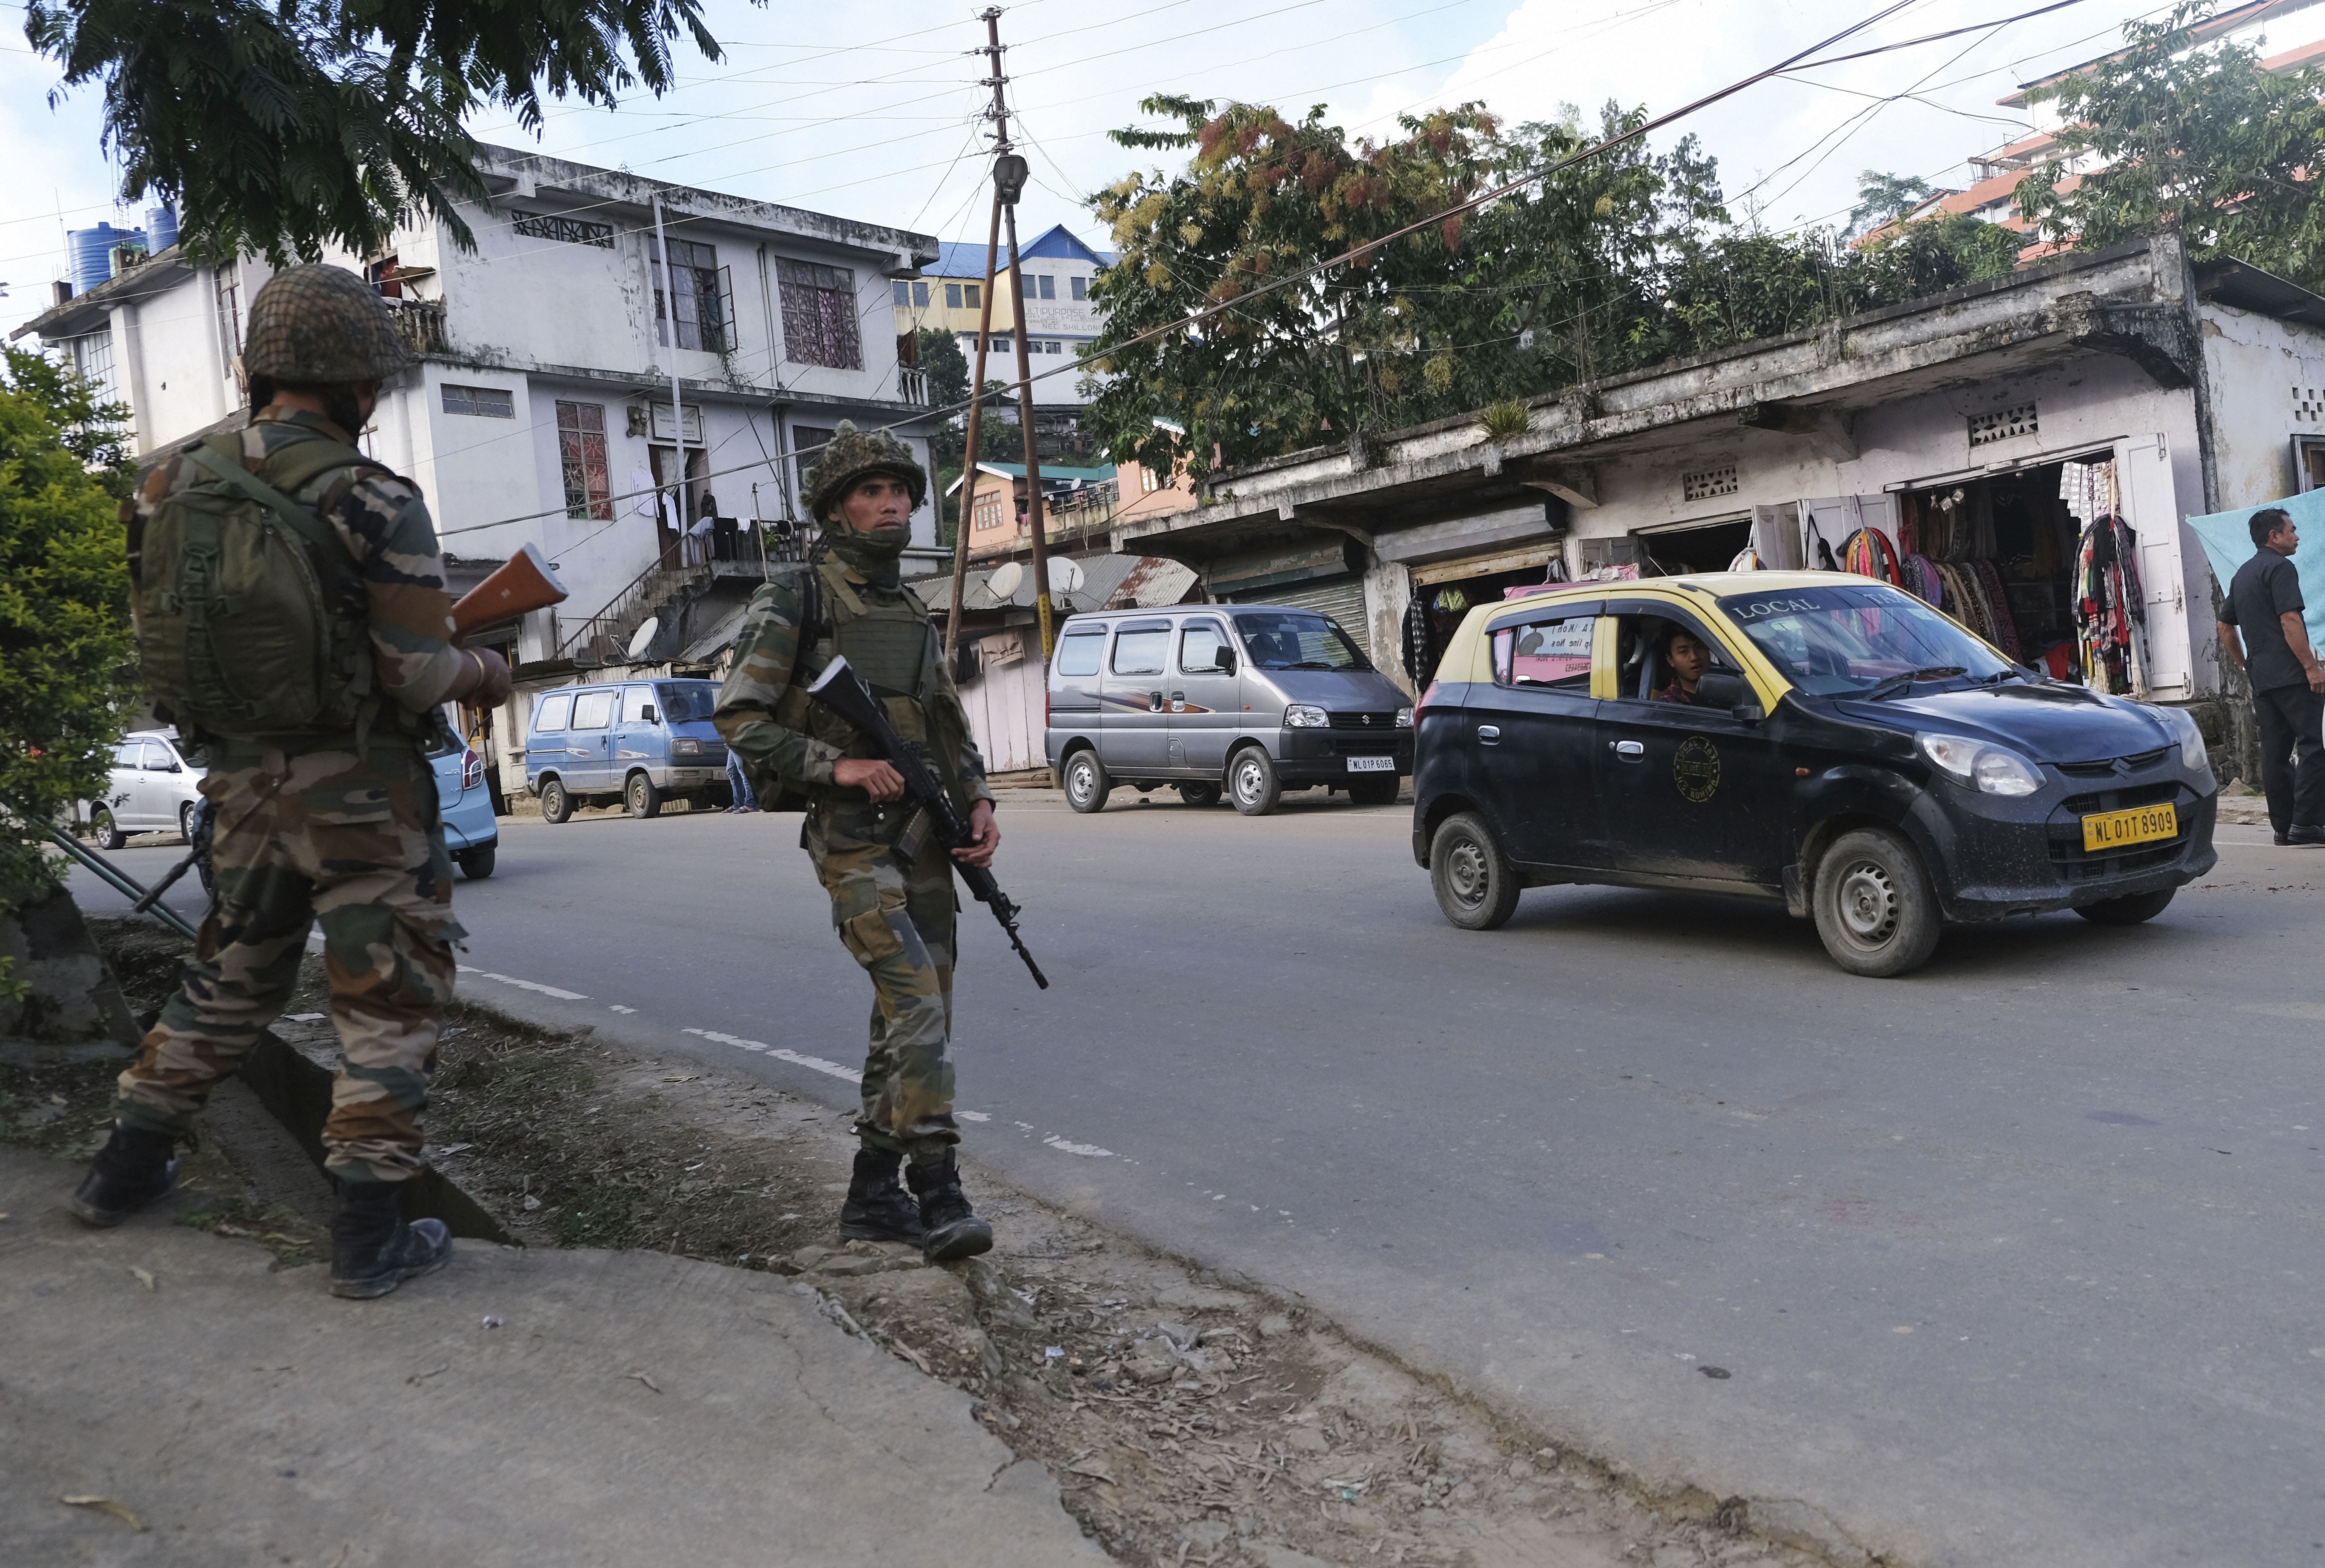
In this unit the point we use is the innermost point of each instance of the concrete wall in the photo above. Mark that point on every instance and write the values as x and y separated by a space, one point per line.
2265 377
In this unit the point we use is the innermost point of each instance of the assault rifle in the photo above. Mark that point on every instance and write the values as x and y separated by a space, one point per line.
840 690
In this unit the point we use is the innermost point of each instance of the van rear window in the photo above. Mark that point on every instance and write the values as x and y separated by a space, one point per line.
553 711
1078 652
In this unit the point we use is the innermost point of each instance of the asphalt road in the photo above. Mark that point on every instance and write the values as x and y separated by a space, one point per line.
2014 1261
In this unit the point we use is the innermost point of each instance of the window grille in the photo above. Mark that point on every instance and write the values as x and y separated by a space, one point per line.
570 230
1706 483
819 316
2307 408
492 401
807 445
581 453
2003 424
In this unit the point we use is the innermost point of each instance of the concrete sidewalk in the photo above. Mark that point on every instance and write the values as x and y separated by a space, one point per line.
628 1408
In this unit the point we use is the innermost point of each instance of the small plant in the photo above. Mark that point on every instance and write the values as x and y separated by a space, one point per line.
1501 421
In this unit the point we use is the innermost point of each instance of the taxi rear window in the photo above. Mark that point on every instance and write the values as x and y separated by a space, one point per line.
1552 652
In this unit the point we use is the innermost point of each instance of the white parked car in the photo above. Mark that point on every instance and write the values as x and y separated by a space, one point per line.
155 790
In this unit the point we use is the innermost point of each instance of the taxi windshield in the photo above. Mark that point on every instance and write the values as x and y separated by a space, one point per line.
1857 639
1298 640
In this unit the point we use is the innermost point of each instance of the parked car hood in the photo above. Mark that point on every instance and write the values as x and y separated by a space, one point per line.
1346 688
2048 723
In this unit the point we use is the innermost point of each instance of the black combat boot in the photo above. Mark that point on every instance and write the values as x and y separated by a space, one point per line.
372 1251
877 1207
950 1227
134 1168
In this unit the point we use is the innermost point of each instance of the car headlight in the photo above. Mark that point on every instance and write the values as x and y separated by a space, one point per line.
1405 718
686 749
2184 727
1989 769
1304 716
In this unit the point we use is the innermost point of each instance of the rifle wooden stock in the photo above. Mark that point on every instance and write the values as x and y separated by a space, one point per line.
523 585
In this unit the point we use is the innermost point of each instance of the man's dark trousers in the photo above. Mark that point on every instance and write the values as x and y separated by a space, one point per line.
2291 755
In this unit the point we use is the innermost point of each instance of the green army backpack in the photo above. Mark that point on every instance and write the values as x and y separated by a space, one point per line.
237 629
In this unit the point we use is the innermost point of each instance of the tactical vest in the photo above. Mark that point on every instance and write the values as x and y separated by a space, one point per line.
249 609
892 648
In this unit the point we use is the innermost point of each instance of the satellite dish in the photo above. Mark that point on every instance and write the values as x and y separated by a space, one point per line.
644 635
1002 583
1065 575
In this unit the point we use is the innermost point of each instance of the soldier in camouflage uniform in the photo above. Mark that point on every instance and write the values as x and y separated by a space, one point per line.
895 917
337 823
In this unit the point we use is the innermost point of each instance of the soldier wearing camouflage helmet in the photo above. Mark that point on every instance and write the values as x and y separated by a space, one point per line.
895 915
291 618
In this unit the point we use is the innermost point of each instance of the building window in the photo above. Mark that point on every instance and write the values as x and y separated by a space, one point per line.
229 311
920 293
1045 285
807 445
493 402
1079 285
986 513
974 293
1003 344
569 230
706 300
819 316
581 453
1056 347
902 293
952 296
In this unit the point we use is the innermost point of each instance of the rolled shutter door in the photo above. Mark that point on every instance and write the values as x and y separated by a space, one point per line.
1341 598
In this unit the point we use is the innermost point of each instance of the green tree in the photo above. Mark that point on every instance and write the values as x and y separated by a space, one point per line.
1885 197
945 365
278 127
65 648
2187 134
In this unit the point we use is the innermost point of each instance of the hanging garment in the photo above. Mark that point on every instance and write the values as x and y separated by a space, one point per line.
1867 553
1746 559
1420 641
1821 556
2005 624
1921 578
2108 603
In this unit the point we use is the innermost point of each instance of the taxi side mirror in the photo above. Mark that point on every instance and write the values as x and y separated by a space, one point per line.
1726 689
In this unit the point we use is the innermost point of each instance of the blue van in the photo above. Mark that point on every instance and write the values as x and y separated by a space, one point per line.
639 742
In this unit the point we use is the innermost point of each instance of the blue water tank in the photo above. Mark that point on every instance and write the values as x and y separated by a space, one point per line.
161 229
89 253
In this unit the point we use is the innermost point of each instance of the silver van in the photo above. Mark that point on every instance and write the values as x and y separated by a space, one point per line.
1252 697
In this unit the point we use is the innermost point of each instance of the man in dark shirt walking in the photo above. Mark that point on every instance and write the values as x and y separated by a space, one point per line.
2264 602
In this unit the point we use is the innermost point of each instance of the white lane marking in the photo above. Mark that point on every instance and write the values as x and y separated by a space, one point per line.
617 1007
815 1063
562 995
972 1115
1090 1150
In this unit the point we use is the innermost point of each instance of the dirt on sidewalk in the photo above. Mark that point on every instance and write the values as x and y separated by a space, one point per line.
1187 1421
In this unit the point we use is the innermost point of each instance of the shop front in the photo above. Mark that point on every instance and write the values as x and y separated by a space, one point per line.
1327 575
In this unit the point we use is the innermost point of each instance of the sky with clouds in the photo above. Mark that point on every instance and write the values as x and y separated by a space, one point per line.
875 112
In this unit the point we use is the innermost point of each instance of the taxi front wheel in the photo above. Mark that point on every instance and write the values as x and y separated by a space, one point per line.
1476 885
1873 904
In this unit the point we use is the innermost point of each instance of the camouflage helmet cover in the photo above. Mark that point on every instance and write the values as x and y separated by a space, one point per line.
851 455
320 326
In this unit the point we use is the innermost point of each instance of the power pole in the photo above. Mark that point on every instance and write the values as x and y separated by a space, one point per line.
1009 173
677 408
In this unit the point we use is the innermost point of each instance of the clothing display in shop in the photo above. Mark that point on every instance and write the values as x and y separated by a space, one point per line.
1948 544
1867 553
1421 650
2108 603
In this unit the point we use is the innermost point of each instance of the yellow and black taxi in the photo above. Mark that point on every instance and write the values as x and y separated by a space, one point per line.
1814 737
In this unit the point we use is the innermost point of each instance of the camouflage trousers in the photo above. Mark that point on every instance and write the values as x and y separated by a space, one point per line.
899 925
353 841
